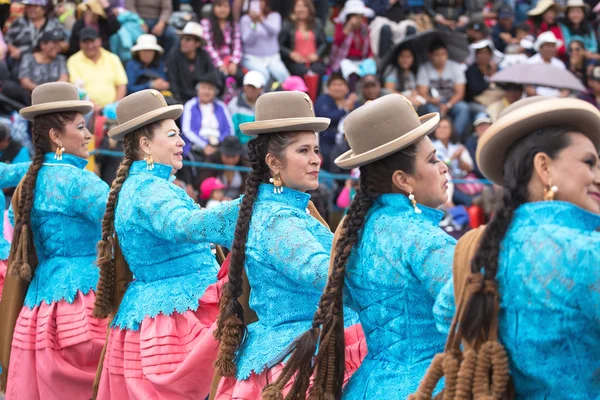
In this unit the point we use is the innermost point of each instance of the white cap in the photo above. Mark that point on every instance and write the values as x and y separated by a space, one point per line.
254 78
546 37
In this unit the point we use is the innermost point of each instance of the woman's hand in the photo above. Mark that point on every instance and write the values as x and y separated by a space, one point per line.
160 84
313 58
458 153
297 57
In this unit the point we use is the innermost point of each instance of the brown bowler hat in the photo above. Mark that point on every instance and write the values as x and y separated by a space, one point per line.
382 127
55 97
526 116
140 109
284 112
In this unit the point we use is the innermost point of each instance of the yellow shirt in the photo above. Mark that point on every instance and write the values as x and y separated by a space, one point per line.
99 79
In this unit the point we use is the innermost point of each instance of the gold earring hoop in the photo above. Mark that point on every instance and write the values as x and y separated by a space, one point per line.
549 192
149 162
278 183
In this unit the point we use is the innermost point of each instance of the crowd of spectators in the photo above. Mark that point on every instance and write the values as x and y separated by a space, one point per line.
216 57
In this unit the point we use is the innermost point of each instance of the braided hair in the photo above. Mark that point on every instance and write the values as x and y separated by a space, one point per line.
328 322
231 328
42 125
518 170
105 292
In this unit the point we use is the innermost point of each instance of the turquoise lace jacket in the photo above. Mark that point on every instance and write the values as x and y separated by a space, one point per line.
287 263
10 176
549 283
165 238
399 265
68 207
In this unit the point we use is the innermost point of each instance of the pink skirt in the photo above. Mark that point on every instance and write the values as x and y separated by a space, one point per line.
251 388
169 357
55 351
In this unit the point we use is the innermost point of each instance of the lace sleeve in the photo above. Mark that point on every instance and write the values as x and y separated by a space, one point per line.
432 255
11 174
88 195
444 308
291 245
171 218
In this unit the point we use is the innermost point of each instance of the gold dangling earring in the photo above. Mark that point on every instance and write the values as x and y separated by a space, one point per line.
58 155
411 197
149 162
278 183
549 192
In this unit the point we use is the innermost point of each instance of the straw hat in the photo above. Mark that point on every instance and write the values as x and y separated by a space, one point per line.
542 6
382 127
354 7
526 116
577 3
147 42
94 6
55 97
193 29
546 37
140 109
284 112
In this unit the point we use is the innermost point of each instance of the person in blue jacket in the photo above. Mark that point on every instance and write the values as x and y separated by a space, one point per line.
146 69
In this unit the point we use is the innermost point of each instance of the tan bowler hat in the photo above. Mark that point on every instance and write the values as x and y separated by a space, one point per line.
526 116
542 6
284 112
382 127
193 29
55 97
140 109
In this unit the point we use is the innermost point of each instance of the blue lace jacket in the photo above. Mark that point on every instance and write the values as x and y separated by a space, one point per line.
399 265
67 212
10 176
549 283
165 238
287 263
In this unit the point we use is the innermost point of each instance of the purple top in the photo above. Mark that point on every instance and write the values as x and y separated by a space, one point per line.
262 39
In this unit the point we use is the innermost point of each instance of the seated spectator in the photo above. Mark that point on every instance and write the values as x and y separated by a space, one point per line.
132 27
335 105
97 14
241 107
187 64
577 61
96 70
476 31
544 18
546 46
23 35
3 47
294 83
146 69
156 16
65 12
351 43
593 93
442 83
260 39
206 120
576 26
481 123
211 192
223 39
302 40
11 151
401 77
478 75
45 64
450 14
370 89
504 32
512 93
231 153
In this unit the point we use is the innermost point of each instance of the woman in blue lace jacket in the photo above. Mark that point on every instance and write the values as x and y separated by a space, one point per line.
391 258
10 176
541 247
58 207
283 249
161 344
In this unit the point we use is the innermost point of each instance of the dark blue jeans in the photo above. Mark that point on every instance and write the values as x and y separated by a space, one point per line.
169 39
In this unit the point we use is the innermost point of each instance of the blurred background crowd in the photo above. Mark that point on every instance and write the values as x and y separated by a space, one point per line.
466 59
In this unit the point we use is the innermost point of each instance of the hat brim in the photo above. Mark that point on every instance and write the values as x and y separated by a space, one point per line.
314 124
142 47
349 160
540 9
200 38
558 43
169 112
82 106
492 148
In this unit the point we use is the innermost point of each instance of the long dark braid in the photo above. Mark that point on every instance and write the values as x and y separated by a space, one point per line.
105 290
328 322
518 170
230 325
41 141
